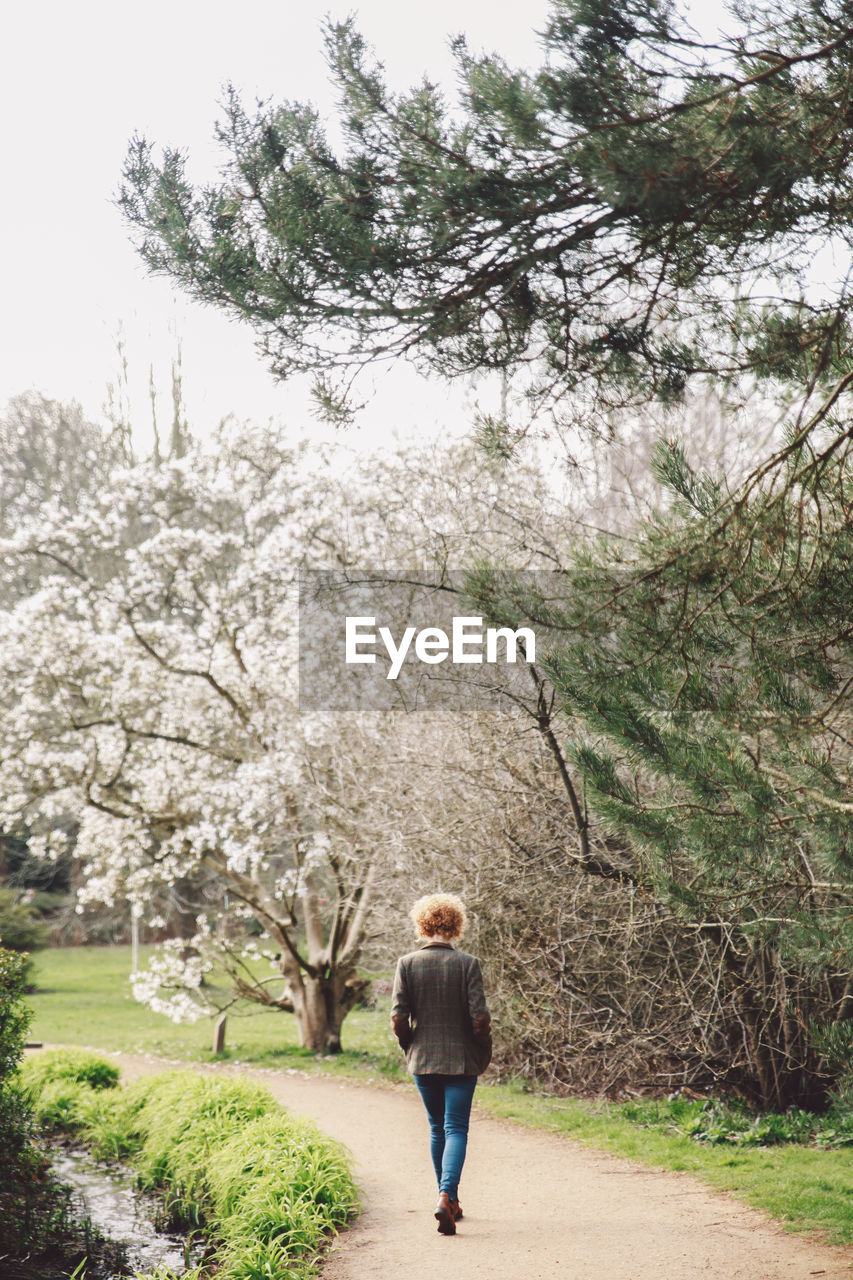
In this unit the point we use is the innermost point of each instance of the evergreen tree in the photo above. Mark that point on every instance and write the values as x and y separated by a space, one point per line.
601 225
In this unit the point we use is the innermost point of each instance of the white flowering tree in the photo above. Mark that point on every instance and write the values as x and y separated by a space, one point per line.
148 685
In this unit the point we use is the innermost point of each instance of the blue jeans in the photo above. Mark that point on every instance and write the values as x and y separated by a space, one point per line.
448 1103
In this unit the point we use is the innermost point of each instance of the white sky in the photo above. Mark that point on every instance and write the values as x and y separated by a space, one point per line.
76 80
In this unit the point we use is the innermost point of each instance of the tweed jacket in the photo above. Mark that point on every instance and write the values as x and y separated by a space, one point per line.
439 990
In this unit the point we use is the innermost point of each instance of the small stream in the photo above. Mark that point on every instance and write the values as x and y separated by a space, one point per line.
119 1211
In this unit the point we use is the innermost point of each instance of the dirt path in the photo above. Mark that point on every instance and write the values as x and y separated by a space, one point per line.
536 1205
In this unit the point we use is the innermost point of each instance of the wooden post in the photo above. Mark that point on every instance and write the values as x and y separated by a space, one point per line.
219 1034
134 944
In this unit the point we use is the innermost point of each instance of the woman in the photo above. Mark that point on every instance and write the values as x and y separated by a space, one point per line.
439 1016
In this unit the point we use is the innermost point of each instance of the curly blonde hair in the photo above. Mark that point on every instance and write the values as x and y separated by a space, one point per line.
439 913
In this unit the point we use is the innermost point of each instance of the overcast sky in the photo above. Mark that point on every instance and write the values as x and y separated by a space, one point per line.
76 80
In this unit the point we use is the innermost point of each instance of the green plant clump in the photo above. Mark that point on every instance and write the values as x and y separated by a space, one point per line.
63 1087
75 1065
715 1122
266 1188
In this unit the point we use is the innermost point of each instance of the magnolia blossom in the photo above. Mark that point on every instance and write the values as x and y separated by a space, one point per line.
148 688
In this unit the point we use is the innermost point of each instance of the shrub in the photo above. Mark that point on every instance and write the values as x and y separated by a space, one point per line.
14 1017
24 1170
23 1164
20 926
38 1232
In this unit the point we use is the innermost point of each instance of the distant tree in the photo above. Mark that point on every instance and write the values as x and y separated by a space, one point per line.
51 456
50 451
149 687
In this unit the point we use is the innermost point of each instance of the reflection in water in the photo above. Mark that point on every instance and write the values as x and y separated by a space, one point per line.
118 1211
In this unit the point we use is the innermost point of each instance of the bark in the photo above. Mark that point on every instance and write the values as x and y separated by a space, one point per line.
320 1004
324 985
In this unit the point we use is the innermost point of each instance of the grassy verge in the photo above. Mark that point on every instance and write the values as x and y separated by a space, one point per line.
86 1001
266 1188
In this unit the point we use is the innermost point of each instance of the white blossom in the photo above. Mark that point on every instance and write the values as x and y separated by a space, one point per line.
148 690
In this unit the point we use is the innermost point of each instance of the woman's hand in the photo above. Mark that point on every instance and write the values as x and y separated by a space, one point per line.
403 1031
482 1027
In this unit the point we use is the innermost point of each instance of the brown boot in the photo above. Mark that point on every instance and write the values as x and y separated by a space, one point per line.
456 1210
444 1214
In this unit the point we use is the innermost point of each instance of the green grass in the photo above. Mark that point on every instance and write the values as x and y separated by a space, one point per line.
83 997
86 1001
266 1188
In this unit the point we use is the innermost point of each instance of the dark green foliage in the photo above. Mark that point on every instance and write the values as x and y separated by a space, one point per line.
23 1164
49 880
20 927
593 222
14 1015
41 1236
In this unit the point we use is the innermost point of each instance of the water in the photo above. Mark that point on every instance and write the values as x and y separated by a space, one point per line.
118 1211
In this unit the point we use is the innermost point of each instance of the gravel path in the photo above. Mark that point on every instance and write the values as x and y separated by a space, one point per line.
536 1205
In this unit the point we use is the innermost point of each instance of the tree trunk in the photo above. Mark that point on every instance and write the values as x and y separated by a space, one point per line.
325 988
320 1004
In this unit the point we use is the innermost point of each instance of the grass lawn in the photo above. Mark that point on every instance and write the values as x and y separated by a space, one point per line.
84 998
